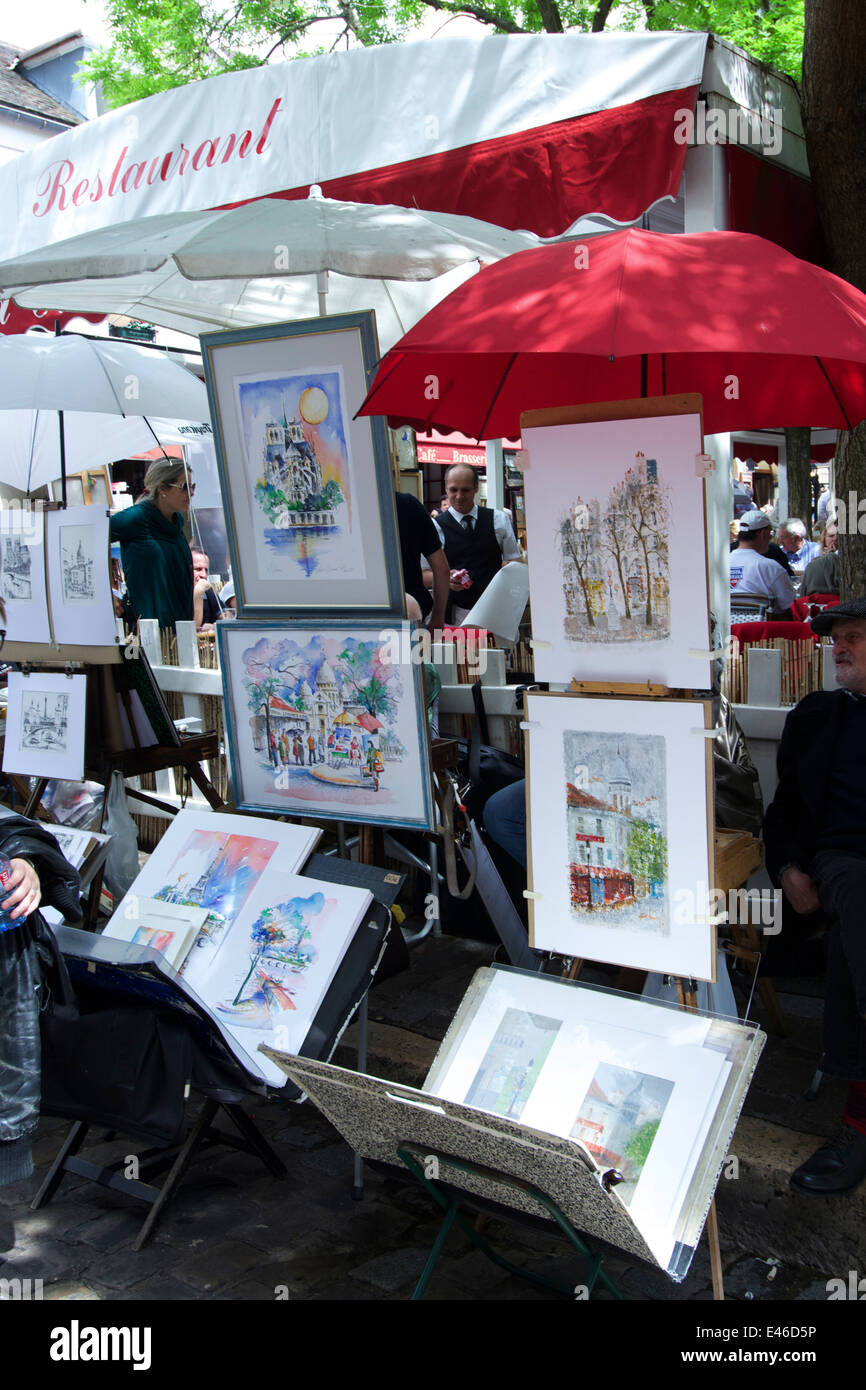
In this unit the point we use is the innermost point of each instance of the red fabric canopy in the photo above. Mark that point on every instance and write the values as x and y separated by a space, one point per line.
765 338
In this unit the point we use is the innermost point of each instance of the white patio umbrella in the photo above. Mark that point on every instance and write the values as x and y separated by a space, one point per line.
270 260
97 376
30 443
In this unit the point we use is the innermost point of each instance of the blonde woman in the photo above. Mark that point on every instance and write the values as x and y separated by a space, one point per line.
156 559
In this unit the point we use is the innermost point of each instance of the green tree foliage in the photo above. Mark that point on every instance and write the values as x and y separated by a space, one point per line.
647 852
638 1147
159 44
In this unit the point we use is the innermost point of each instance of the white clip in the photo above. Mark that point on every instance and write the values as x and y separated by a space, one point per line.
520 460
714 921
533 897
704 733
705 464
530 724
538 646
708 656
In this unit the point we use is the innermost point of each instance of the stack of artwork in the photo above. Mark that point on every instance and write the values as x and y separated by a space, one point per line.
54 577
637 1085
269 943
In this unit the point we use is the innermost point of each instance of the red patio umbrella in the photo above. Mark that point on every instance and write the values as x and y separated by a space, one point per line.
767 339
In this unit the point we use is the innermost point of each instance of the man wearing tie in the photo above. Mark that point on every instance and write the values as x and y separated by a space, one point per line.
477 540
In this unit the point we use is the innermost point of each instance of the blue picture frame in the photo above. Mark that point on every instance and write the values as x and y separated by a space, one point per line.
309 734
307 488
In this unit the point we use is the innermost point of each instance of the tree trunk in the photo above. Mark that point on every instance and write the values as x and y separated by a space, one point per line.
834 122
798 444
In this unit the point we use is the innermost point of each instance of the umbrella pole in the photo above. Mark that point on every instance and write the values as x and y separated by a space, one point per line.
322 291
62 460
643 375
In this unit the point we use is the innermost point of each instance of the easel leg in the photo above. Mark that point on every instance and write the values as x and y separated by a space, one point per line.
435 1252
71 1144
715 1253
178 1169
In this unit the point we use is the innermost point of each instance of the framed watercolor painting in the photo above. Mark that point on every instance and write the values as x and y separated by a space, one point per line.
620 854
616 531
306 487
327 720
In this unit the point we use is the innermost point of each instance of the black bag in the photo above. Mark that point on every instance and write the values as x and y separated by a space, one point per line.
124 1068
484 768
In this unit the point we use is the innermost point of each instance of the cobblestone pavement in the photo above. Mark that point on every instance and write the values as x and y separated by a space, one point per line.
235 1233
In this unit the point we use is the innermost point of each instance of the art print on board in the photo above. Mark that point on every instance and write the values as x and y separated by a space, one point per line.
45 724
619 1118
17 571
325 722
616 814
513 1062
616 528
615 563
22 576
216 871
620 831
77 564
299 475
44 720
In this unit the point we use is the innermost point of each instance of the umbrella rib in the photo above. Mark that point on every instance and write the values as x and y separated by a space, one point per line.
377 385
496 395
848 424
102 368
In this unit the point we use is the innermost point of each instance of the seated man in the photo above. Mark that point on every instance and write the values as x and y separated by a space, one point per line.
815 837
795 542
207 607
752 572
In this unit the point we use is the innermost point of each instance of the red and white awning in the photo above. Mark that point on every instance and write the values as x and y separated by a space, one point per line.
525 131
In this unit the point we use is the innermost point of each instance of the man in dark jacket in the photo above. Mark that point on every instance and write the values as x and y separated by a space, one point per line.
815 836
39 871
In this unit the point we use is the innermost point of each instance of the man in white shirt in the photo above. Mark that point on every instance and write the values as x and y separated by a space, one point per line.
477 541
752 572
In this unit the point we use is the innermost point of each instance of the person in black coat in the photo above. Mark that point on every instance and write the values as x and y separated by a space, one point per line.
39 873
815 839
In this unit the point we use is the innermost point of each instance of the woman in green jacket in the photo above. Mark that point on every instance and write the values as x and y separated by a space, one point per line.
156 559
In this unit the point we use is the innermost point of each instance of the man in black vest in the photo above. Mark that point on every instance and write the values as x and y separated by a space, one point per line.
477 540
815 839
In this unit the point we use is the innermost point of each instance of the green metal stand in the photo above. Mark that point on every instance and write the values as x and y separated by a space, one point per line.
417 1160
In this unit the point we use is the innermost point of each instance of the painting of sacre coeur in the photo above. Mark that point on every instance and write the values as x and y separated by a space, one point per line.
324 721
